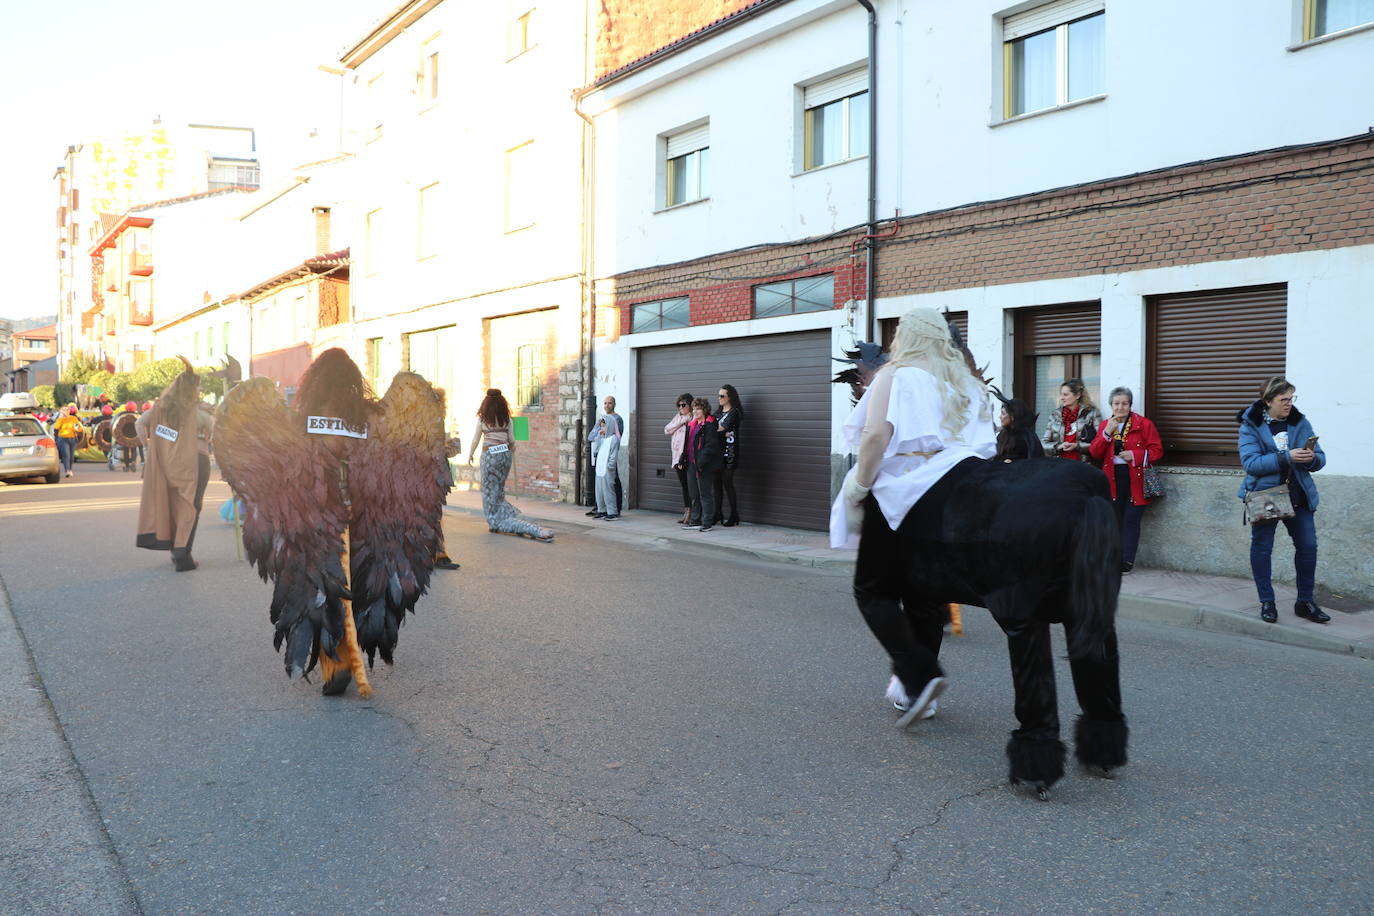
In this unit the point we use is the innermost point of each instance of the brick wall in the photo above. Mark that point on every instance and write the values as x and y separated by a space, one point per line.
720 288
630 29
1274 202
536 469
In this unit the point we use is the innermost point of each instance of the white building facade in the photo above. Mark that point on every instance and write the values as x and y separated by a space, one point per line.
466 259
1091 188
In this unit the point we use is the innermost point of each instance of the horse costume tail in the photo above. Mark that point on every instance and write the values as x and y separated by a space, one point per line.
1095 577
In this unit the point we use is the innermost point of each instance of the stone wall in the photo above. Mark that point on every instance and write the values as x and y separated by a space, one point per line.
1197 527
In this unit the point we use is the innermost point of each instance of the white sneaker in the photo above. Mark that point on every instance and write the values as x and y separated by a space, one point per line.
924 703
928 714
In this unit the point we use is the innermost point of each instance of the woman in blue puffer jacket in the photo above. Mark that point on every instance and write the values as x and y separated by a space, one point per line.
1277 445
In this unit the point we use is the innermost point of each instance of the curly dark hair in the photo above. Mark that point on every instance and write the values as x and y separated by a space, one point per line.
494 412
333 387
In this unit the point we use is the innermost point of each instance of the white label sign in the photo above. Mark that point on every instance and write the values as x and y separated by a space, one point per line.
333 426
166 432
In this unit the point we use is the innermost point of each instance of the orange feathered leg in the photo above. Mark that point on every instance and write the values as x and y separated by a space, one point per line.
350 654
956 622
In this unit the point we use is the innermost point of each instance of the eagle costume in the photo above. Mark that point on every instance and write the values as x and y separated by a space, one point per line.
343 500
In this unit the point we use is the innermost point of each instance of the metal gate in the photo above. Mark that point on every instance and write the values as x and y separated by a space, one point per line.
784 386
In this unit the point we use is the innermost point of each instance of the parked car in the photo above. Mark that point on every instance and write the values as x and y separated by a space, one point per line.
26 447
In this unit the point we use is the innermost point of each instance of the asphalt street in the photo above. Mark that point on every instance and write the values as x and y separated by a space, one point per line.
604 725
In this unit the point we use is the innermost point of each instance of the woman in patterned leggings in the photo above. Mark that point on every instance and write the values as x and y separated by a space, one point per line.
494 433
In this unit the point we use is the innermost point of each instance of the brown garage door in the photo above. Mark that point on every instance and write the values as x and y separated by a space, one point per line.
784 385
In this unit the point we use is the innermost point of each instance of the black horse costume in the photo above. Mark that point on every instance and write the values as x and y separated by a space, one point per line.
343 503
1036 543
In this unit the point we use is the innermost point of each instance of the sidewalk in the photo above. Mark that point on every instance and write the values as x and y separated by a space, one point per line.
1206 602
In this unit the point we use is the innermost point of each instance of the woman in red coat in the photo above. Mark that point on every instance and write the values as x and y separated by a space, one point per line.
1125 444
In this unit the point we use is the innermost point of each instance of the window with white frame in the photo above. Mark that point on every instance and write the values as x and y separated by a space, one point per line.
374 363
529 375
1322 17
429 71
806 294
835 123
232 173
519 27
685 162
372 256
1053 55
521 194
427 214
374 108
661 315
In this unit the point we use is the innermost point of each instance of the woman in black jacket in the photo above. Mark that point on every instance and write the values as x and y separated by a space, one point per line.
728 420
1016 436
705 458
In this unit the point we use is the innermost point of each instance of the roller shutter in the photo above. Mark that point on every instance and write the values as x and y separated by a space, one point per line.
784 384
1054 343
1208 355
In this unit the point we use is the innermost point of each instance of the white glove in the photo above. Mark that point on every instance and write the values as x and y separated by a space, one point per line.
854 492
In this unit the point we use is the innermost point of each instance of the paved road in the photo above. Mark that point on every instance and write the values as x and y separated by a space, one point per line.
595 726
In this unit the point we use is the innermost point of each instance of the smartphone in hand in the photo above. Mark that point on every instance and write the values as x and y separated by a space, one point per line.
1311 442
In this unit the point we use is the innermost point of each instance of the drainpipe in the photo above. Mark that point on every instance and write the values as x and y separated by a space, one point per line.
870 246
584 486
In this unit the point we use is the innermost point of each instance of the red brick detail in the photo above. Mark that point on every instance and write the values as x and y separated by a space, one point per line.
1276 202
721 287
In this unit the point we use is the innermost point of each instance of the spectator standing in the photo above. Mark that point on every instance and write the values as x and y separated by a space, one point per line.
1016 439
677 447
704 460
605 456
608 405
1278 445
1073 424
67 429
729 417
1128 442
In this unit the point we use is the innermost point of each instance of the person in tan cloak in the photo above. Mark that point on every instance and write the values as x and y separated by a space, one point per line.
176 433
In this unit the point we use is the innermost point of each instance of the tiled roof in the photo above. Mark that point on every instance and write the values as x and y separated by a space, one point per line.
197 196
652 30
320 264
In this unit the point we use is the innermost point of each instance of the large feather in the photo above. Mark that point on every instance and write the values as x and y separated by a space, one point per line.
397 481
294 517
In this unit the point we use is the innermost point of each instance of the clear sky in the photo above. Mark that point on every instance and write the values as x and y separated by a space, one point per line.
76 70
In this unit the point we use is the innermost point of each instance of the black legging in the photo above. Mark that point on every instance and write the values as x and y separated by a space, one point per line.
725 487
682 479
909 624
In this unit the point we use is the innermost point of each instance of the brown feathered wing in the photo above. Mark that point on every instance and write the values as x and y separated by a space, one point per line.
294 517
397 480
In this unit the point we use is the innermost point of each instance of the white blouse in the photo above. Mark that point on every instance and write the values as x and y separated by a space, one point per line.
915 409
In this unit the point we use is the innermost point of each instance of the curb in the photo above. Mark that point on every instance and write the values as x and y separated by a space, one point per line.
1164 611
1218 620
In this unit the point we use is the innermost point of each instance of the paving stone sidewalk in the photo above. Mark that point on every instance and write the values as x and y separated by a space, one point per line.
1208 602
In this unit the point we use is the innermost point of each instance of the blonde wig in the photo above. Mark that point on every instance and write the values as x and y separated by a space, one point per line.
923 341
